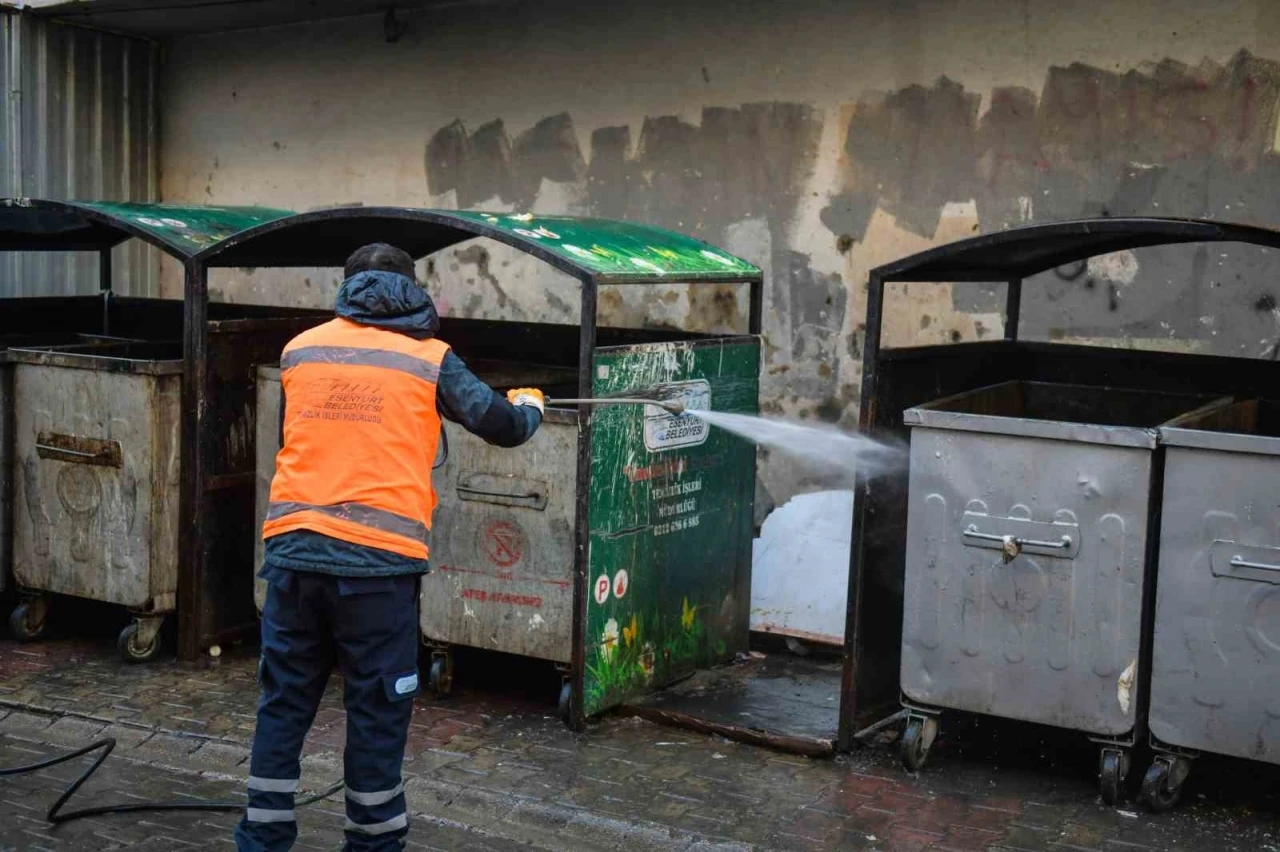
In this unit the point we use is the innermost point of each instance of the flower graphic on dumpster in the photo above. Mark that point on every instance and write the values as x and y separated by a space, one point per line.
647 660
609 640
631 632
688 614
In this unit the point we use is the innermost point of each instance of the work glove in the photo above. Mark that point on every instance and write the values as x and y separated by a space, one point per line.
528 396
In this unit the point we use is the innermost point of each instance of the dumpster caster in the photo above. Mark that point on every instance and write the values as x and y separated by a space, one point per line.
1162 785
1113 770
29 619
916 741
440 678
565 705
139 642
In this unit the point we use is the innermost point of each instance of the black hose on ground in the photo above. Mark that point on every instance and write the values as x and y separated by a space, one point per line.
107 745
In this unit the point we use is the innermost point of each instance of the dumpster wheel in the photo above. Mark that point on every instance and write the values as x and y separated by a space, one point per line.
565 705
440 677
29 620
1112 771
1162 785
917 739
128 645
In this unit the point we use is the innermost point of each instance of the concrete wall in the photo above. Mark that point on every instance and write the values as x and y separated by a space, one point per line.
817 139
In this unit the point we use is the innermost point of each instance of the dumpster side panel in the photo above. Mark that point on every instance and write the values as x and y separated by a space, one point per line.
266 447
669 580
502 544
81 528
6 474
1053 635
1216 658
166 491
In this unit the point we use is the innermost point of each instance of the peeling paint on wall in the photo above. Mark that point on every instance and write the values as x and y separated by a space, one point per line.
883 136
1151 139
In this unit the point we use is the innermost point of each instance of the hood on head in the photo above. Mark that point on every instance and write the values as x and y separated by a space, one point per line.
388 300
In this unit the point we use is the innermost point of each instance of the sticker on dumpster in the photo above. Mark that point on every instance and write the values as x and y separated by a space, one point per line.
620 584
503 543
666 431
602 589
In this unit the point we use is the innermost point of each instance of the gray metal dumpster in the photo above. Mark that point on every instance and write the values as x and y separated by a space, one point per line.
96 462
503 536
8 341
1216 656
1026 580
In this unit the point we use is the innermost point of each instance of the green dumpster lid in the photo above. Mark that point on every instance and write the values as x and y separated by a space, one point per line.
621 250
602 250
29 224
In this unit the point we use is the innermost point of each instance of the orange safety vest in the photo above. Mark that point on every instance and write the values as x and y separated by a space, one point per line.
360 436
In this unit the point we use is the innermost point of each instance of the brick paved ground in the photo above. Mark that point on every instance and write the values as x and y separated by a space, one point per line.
489 770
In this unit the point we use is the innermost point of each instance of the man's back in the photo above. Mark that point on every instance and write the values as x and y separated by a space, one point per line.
361 433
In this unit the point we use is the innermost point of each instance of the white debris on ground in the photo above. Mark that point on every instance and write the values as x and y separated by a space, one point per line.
800 567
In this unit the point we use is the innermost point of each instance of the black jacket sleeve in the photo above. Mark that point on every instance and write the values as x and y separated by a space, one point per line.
480 409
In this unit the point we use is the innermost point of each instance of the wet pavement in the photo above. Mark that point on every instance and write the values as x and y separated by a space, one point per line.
779 699
491 768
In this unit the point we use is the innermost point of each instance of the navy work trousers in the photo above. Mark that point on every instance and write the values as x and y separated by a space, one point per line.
369 628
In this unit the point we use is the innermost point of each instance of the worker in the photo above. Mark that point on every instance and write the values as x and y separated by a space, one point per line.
346 530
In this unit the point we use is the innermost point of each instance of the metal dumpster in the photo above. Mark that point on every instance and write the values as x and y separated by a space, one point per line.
8 341
96 461
1216 655
1027 574
503 537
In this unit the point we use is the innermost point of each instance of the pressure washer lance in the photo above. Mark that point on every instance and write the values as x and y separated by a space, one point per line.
670 405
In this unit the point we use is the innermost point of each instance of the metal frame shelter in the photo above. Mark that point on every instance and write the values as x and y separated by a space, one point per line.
179 232
595 252
35 225
897 379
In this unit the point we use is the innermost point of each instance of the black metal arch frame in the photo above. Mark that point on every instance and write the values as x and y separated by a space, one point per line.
68 226
325 238
913 376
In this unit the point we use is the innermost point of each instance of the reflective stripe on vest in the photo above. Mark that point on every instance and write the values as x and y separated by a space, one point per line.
368 516
349 355
360 437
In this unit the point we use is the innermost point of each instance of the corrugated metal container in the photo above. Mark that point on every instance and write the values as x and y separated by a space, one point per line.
79 122
1026 563
96 463
1216 656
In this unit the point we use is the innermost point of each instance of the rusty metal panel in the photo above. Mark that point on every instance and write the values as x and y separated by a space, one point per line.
83 525
1026 556
79 122
267 443
6 472
502 544
1216 656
